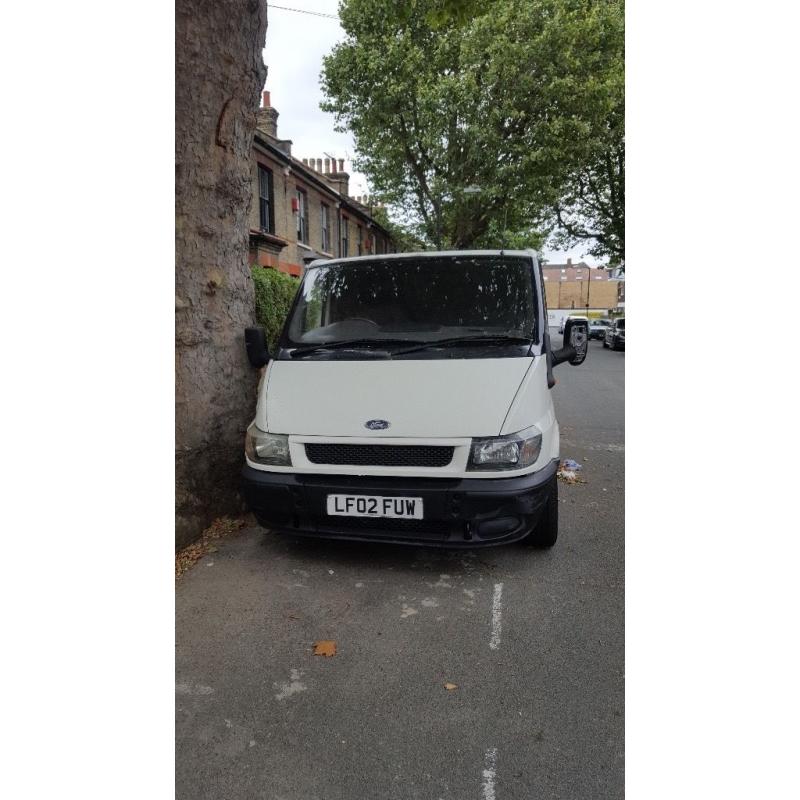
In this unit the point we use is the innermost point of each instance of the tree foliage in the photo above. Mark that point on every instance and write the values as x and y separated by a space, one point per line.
591 209
512 97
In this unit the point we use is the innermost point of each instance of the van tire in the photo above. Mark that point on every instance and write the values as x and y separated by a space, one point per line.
545 533
605 344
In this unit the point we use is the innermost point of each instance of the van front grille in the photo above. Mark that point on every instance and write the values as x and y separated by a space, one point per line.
380 455
397 528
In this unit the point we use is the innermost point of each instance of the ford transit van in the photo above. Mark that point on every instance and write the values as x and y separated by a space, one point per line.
409 401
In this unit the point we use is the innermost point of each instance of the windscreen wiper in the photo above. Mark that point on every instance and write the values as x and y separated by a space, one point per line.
458 340
347 343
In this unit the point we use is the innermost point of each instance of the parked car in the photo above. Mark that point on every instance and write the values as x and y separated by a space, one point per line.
408 401
597 328
615 335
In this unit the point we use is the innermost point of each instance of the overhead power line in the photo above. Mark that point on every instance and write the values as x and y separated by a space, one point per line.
303 11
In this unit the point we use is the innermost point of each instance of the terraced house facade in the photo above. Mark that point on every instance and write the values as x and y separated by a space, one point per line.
302 209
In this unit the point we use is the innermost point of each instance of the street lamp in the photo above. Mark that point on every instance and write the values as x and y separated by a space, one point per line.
588 288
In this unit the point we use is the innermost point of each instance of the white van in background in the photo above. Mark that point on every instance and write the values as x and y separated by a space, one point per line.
409 401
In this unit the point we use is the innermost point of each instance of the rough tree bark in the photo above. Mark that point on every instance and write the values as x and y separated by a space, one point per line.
219 73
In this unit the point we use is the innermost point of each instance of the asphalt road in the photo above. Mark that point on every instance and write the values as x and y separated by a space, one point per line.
533 641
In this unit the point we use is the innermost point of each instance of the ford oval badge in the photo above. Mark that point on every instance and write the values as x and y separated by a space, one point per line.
376 424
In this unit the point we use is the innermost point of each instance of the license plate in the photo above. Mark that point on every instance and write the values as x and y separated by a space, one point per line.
359 505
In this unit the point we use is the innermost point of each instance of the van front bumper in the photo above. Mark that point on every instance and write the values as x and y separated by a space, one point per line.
458 512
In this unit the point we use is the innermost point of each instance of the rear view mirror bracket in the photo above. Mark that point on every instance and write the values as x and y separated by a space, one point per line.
255 340
576 343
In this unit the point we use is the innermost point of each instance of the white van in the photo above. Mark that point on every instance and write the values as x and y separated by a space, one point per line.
409 401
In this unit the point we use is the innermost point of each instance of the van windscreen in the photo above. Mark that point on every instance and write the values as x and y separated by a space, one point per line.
415 299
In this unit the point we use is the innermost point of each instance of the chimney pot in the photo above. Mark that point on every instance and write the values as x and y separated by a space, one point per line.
341 165
265 96
569 262
333 165
305 161
327 165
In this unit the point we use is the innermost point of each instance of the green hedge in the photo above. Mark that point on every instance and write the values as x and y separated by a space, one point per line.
274 294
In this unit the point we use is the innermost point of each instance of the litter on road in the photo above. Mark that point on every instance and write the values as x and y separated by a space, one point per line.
568 471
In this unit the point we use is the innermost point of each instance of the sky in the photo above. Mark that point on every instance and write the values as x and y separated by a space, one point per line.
296 44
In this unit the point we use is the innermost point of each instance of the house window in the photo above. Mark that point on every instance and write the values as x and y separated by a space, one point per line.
359 243
266 218
345 237
326 231
302 217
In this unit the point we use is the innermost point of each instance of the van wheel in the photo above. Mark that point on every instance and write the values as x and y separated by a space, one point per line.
605 344
545 533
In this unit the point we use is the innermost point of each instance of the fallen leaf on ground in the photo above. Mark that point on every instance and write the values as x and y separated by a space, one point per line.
451 686
221 528
325 647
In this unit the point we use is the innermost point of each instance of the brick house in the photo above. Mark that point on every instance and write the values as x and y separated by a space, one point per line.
302 210
578 286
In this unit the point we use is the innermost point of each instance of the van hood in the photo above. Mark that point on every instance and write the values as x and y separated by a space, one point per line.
425 398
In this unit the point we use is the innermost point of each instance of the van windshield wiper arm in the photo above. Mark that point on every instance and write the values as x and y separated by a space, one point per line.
347 343
458 340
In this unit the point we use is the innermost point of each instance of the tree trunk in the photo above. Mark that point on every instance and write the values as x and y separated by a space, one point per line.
219 73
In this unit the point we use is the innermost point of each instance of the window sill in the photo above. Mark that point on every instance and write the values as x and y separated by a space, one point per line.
270 238
304 246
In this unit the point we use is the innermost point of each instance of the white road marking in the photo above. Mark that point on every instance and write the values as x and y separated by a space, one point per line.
489 773
497 616
408 611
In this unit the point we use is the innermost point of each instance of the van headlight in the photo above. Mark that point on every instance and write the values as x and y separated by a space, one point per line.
267 448
515 451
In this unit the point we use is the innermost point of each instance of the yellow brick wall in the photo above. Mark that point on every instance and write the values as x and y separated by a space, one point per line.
562 294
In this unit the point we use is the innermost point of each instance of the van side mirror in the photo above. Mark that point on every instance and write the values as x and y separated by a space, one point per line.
576 343
255 340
